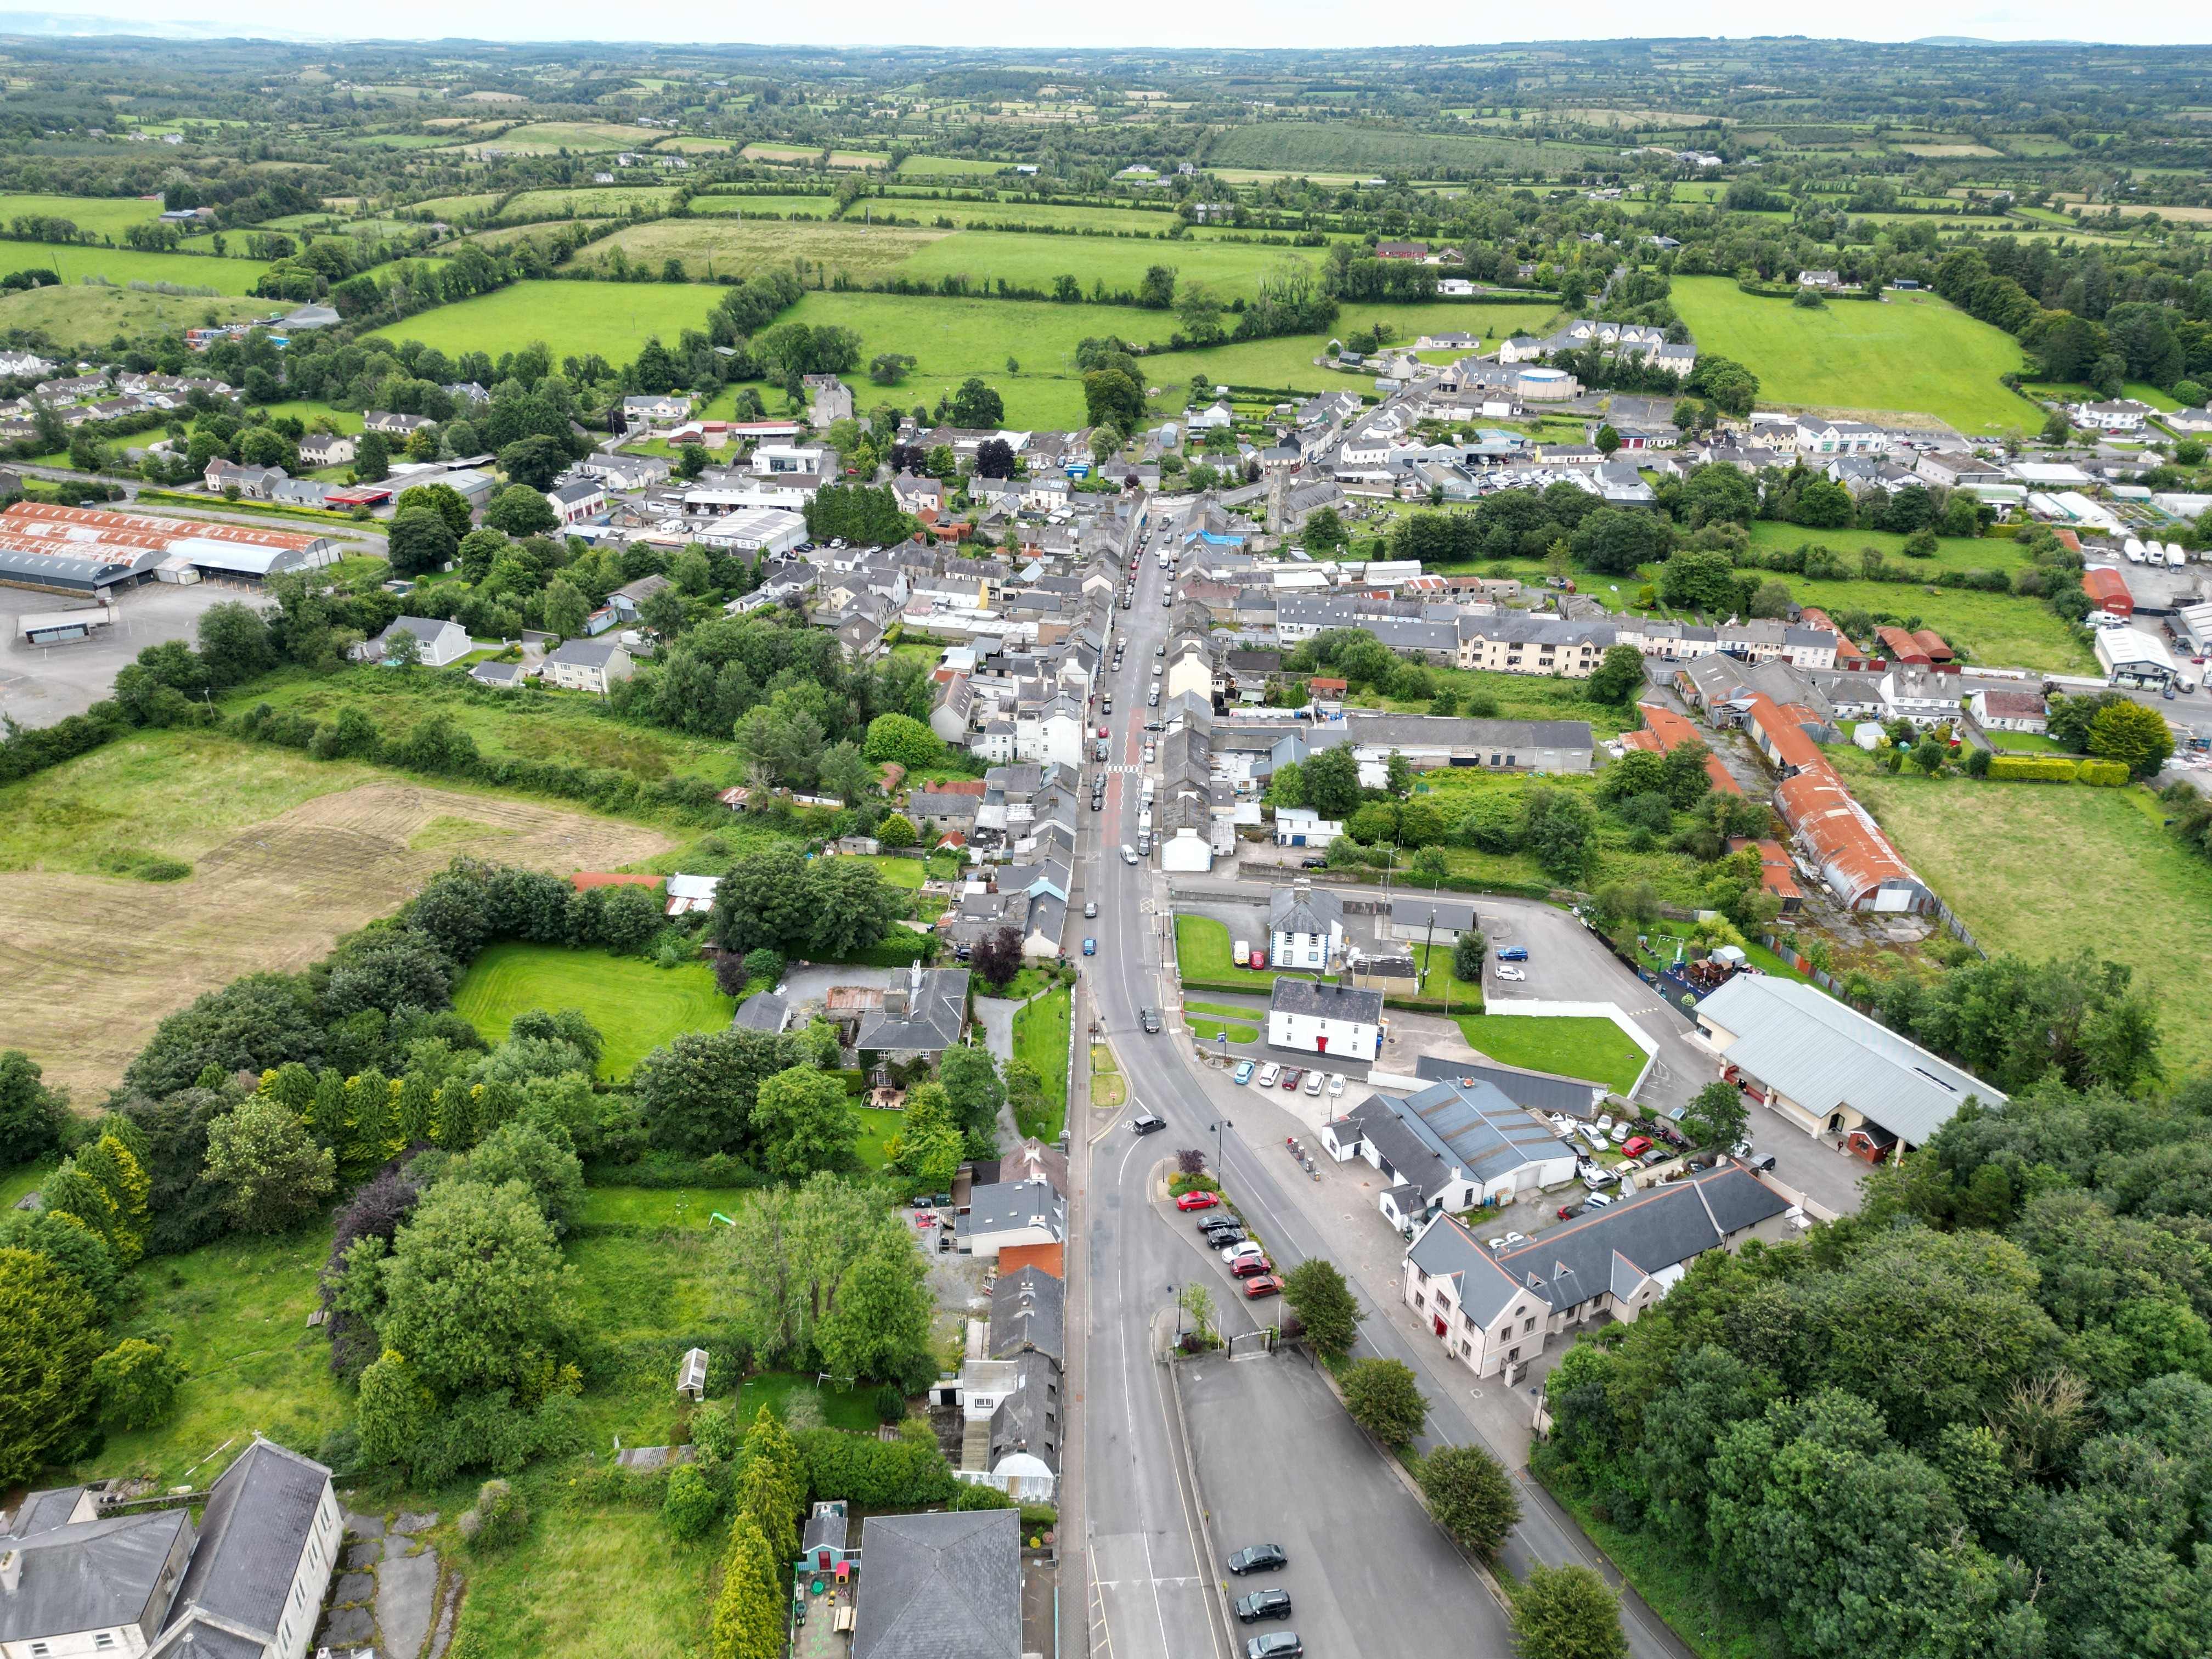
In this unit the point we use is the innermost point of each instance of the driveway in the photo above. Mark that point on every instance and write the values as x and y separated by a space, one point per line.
996 1015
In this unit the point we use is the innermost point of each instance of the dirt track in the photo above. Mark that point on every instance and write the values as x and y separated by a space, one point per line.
90 964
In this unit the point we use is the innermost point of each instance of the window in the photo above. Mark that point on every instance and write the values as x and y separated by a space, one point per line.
39 1650
1512 1354
105 1640
1527 1326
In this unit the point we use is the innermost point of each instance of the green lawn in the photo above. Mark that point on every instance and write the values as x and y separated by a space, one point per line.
896 872
1996 629
1573 1046
2026 743
2041 868
124 265
90 316
1952 552
237 1312
877 1126
841 1408
1204 956
636 1005
104 215
606 1580
1209 1029
1518 697
1438 983
612 318
1041 1039
1913 353
25 1178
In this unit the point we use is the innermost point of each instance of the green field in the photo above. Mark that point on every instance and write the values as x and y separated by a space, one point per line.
124 265
1997 628
1573 1046
104 215
1913 353
92 314
636 1005
612 318
587 201
721 246
1952 552
2039 869
453 207
948 165
1337 146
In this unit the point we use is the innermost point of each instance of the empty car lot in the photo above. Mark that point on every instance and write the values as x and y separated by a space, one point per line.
41 685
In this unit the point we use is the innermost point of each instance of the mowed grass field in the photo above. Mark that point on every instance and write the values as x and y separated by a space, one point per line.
587 201
612 318
122 265
104 215
286 854
721 246
1998 629
636 1006
2041 869
1912 352
1573 1045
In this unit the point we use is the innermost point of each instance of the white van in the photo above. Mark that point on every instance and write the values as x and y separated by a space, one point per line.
1241 952
1128 854
2175 558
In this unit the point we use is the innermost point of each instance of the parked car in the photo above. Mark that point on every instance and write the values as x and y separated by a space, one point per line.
1220 1229
1657 1155
1618 1133
1148 1123
1514 953
1313 864
1161 649
1313 1083
1598 1180
1511 973
1605 1123
1263 1604
1098 803
1244 1247
1569 1212
1268 1073
1742 1149
1251 1264
1258 1558
1336 1082
1264 1284
1636 1146
1598 1202
1149 1019
1089 947
1199 1200
1276 1645
1291 1079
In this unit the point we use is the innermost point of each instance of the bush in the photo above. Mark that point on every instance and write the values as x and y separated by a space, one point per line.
716 1431
2035 769
878 1474
1384 1399
501 1516
136 1383
2102 774
691 1507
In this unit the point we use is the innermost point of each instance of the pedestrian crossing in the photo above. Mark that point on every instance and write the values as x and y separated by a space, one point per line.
1122 768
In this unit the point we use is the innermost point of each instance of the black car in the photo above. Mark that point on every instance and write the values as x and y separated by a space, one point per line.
1276 1645
1258 1558
1313 864
1149 1019
1263 1604
1145 1124
1221 1230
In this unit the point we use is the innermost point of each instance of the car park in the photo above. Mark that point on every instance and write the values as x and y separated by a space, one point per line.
1148 1123
1336 1082
1291 1077
1243 1073
1089 947
1263 1604
1313 1083
1636 1146
1264 1284
1149 1019
1198 1201
1258 1558
1268 1073
1250 1265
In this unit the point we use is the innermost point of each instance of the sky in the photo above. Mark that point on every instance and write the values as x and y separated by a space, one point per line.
1227 23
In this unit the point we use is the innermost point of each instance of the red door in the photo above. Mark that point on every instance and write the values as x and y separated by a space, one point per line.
1438 1320
1321 1044
822 1560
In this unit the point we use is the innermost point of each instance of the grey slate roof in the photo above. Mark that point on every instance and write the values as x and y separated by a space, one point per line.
1539 1092
1006 1206
586 653
932 1021
252 1535
92 1576
1822 1054
42 1511
1027 1419
763 1010
1326 999
1315 911
825 1526
1028 1310
943 1586
1450 914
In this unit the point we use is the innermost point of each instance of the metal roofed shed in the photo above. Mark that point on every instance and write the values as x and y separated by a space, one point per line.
1827 1067
58 627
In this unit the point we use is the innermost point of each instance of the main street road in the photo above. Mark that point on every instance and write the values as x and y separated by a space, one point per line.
1150 1594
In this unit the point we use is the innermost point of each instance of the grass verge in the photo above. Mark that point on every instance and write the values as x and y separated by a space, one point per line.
1570 1045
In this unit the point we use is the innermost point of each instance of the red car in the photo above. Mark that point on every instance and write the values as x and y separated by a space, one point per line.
1249 1265
1198 1201
1636 1146
1264 1284
1291 1077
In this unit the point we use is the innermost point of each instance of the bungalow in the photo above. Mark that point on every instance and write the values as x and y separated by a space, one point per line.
1495 1310
499 676
589 666
1999 710
395 426
658 409
1325 1016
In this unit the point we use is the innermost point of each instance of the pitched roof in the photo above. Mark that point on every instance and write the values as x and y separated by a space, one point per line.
941 1586
1027 1308
251 1535
1300 909
1326 999
1823 1054
93 1575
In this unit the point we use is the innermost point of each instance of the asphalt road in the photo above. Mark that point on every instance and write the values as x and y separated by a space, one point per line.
1149 1593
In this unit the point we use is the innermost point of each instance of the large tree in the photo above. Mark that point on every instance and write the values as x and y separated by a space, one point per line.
271 1172
31 1115
1472 1497
49 1339
1620 675
2135 735
696 1093
1385 1400
804 1122
1567 1613
420 542
1317 1293
1331 782
520 510
476 1295
877 1325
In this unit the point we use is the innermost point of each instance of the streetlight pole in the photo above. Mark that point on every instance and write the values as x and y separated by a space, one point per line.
1223 1124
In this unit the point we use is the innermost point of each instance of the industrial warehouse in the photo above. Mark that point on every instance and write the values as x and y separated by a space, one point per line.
87 551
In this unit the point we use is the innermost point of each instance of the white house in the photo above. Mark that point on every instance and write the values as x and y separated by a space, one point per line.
1324 1017
2120 415
1301 826
1997 709
589 666
439 640
577 499
1494 1311
1822 436
1305 928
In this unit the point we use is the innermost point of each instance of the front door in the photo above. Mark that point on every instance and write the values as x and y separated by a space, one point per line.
1439 1318
1321 1045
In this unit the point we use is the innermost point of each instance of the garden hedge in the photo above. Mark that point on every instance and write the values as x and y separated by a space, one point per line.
2102 774
2034 768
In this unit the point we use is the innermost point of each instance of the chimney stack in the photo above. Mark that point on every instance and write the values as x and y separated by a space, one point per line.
12 1570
